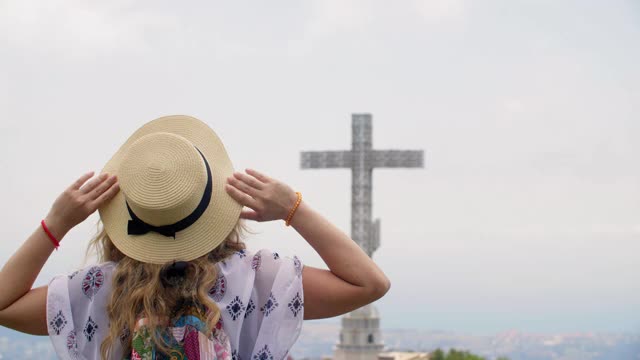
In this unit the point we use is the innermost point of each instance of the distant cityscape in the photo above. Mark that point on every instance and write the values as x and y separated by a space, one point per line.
317 341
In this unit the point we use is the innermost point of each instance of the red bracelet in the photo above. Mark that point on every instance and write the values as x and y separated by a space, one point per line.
55 242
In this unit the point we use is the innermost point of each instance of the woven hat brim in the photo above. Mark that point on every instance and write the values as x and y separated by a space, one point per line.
209 231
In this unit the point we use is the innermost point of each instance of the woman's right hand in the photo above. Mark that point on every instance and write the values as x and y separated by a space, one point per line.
268 199
80 200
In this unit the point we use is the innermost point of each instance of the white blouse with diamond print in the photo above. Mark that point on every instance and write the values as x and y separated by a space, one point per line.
259 295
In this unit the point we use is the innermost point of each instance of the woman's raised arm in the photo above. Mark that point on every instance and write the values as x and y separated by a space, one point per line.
23 308
353 279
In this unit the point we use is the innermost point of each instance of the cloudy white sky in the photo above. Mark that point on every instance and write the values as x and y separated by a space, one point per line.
527 215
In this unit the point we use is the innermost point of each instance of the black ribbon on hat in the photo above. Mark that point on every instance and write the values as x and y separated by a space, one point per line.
137 226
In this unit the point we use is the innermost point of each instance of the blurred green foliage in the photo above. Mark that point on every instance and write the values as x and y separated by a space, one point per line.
454 354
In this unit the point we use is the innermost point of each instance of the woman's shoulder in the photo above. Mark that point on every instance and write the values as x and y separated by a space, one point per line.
98 270
88 282
93 270
265 270
260 259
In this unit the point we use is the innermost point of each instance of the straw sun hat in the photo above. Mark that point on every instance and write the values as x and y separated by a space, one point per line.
172 204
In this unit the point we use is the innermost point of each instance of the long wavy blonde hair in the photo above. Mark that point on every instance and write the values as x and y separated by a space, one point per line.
138 290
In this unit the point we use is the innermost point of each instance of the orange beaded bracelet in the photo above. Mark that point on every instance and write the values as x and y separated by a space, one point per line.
293 211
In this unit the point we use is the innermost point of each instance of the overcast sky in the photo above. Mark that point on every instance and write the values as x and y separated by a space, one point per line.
527 215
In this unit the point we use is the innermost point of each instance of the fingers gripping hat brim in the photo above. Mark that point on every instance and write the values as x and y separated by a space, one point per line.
206 233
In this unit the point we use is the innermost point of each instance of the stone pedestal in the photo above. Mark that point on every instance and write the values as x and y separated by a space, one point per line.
360 337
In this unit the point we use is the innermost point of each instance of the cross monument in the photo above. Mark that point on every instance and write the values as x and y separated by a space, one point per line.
362 159
360 337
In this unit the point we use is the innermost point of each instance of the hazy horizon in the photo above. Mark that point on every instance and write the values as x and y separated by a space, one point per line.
526 214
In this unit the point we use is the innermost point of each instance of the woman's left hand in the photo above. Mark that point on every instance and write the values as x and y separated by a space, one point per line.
80 200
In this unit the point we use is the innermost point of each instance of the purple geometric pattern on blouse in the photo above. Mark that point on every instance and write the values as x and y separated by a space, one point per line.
270 305
296 304
58 322
298 265
235 355
90 329
235 308
72 344
256 261
263 354
250 307
219 288
92 282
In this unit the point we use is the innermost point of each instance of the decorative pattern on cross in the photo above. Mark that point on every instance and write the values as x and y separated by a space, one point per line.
362 159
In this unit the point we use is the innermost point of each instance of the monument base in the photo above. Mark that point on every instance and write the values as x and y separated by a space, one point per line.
360 337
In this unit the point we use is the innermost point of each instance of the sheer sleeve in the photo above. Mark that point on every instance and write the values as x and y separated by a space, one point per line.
275 310
76 312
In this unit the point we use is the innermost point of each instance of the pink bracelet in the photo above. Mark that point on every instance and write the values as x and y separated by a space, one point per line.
55 242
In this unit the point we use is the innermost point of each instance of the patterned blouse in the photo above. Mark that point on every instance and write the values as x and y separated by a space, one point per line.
259 295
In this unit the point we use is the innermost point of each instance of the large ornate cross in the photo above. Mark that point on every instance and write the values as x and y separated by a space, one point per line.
362 159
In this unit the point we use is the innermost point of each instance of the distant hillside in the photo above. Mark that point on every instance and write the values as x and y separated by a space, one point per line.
318 339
